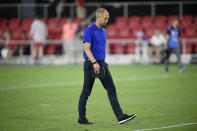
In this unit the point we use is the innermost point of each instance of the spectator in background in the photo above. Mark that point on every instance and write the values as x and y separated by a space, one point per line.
80 10
11 46
141 46
156 43
38 33
68 36
173 41
52 7
22 44
60 8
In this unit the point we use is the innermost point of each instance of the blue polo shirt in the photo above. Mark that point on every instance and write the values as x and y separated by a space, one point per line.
97 38
174 34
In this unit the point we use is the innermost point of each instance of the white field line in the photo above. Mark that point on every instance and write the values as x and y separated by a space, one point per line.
165 127
80 82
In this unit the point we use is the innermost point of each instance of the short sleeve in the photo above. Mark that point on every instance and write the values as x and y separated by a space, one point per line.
87 36
169 31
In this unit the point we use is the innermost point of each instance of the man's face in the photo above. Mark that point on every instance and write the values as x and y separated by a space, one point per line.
175 23
104 19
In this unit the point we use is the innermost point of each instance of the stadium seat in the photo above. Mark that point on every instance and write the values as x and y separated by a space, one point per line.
130 48
13 23
16 32
149 32
56 32
189 47
112 31
195 45
134 21
170 19
4 28
191 32
161 18
26 23
187 18
147 21
77 20
163 30
117 48
160 21
195 20
44 20
121 20
135 30
63 21
50 49
53 21
124 32
3 21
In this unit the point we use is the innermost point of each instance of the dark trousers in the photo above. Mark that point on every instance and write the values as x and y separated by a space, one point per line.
168 53
108 84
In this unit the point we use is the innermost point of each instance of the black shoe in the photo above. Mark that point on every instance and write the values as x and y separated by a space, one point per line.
125 118
84 121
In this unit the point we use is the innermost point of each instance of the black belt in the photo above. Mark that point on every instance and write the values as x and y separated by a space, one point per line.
96 60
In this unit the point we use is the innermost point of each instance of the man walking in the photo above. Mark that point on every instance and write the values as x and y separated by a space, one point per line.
173 41
95 66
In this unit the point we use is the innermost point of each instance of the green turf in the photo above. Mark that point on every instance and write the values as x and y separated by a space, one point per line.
45 98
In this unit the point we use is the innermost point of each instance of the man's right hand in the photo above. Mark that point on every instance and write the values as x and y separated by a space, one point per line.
96 68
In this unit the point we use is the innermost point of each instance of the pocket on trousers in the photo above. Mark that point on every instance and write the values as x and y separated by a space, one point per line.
87 65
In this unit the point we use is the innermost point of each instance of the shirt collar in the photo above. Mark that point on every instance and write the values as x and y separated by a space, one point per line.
98 28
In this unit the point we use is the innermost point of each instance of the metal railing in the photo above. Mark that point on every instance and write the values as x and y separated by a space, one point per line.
125 7
123 41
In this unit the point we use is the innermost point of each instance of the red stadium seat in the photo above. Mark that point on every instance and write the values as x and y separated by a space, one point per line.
3 21
163 30
117 48
161 18
135 30
160 21
16 32
13 23
4 28
149 32
130 48
44 20
195 20
112 31
187 17
125 33
147 21
160 24
77 20
26 23
195 45
170 19
121 20
189 47
63 21
136 19
53 21
134 24
56 32
50 49
191 32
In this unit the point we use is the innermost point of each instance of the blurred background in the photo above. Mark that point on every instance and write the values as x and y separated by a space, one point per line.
130 30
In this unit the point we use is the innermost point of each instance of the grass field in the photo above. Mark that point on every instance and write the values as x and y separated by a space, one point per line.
45 98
